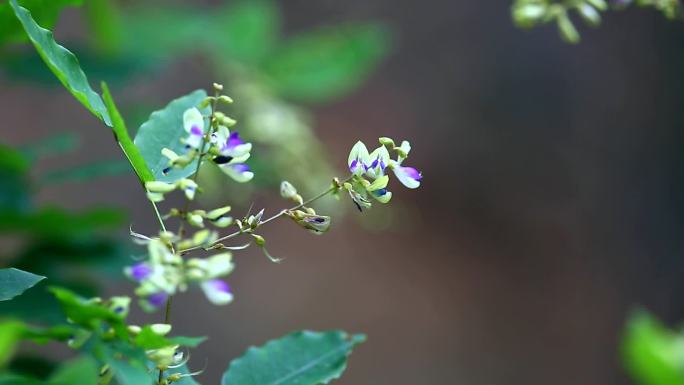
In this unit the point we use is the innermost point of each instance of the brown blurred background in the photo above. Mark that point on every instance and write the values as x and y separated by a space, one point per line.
551 203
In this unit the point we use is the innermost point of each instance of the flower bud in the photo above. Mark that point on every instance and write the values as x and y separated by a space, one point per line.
225 99
287 190
567 30
159 187
317 224
174 377
218 213
164 357
161 329
223 222
134 329
385 141
259 240
218 87
589 14
528 14
195 219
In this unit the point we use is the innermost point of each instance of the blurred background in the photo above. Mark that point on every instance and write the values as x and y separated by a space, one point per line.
552 201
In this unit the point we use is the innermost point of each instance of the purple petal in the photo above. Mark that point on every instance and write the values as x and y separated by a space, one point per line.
240 167
382 165
157 299
353 165
140 271
375 163
194 130
380 192
219 285
233 141
412 173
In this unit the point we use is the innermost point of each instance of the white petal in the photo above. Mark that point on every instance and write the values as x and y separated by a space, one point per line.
404 178
358 153
193 117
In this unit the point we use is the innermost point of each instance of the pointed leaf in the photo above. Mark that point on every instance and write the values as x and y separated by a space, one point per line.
62 63
300 358
13 282
164 129
121 134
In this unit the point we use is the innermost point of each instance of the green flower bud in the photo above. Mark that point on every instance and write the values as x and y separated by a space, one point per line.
526 15
223 222
589 14
217 213
317 224
225 99
601 5
134 329
174 377
195 219
385 141
161 329
228 121
287 190
259 240
155 197
159 187
164 357
218 87
567 30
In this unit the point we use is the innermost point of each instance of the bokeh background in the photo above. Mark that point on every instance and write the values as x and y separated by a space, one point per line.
551 204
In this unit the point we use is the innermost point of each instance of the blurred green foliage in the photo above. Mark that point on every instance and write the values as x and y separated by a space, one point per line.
531 13
245 49
653 354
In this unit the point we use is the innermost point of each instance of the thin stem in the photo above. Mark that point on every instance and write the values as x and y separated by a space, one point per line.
271 218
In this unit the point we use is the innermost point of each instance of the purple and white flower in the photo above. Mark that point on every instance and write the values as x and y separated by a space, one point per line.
193 122
217 291
232 154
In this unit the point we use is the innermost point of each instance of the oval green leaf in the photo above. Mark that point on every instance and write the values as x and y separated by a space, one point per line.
164 129
300 358
13 282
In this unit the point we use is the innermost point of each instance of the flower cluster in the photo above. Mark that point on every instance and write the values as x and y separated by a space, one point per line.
166 272
215 141
369 177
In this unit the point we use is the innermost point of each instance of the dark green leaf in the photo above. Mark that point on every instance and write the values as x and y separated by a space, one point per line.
81 371
62 63
653 354
148 339
325 64
14 187
300 358
123 138
164 129
45 12
13 282
86 312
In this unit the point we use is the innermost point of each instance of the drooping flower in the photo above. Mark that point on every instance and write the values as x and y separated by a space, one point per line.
231 154
408 176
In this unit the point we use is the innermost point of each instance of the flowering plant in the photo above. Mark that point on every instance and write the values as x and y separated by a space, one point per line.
167 155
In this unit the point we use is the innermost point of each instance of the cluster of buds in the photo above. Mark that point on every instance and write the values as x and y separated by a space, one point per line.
218 217
210 136
165 272
369 177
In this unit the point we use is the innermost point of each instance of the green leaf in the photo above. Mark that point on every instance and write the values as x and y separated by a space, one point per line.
62 63
164 129
81 371
86 312
13 282
10 335
14 186
652 353
148 339
247 31
129 149
300 358
45 12
328 63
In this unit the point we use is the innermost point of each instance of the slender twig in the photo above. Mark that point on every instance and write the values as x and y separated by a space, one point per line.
271 218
